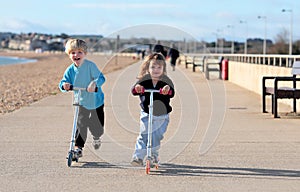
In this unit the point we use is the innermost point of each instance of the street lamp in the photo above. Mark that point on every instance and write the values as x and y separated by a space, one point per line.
265 43
245 49
291 30
232 41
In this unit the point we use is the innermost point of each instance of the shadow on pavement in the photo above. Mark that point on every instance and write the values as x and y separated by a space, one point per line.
168 169
84 164
190 170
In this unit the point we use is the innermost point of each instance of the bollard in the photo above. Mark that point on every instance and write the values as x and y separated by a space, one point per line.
225 69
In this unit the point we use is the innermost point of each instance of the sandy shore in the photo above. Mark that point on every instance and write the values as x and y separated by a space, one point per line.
23 84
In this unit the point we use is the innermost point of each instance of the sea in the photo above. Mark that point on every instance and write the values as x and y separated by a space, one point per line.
14 60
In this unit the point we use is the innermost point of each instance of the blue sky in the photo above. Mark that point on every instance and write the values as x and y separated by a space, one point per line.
203 20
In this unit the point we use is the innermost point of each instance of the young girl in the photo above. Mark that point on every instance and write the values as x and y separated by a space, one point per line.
152 76
84 73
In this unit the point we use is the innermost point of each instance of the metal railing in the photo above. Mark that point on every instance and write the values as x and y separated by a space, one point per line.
268 59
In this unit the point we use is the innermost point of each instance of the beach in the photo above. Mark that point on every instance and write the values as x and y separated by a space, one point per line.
23 84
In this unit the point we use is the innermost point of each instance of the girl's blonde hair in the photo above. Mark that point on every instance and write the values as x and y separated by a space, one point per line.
75 44
157 58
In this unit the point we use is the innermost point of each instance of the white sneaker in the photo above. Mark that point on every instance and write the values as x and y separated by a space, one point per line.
97 143
136 162
154 162
78 153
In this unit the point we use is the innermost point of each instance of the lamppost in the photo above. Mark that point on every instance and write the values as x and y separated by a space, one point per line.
291 30
265 43
232 41
245 49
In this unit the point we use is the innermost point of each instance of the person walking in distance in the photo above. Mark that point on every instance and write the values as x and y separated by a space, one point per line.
173 54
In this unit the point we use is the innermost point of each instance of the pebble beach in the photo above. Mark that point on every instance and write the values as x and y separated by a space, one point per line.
23 84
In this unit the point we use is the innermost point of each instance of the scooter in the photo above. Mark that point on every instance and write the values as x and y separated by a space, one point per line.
73 155
149 158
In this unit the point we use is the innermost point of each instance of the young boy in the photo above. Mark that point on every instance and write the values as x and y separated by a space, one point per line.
85 74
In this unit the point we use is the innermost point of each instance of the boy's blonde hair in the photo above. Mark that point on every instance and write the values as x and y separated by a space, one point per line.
75 44
157 58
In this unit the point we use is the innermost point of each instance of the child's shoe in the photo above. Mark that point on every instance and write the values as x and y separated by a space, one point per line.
97 143
154 162
136 162
77 154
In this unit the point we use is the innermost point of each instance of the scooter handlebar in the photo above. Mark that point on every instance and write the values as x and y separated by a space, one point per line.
156 91
72 88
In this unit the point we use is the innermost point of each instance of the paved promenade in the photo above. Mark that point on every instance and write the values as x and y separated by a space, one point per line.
217 140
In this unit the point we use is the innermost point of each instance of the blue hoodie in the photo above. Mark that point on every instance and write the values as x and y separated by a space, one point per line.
81 77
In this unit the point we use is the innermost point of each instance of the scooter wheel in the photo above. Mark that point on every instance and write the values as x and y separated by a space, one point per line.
70 158
147 166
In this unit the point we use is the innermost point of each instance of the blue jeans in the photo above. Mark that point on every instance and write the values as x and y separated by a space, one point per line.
159 127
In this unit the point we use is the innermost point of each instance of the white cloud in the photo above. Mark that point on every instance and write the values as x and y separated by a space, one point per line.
123 5
21 25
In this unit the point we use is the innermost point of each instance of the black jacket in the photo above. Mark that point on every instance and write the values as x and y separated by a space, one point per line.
174 54
161 103
160 49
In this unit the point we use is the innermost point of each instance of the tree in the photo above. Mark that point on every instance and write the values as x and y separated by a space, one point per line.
281 43
296 47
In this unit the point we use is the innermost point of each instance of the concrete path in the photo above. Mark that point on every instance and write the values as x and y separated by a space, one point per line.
217 140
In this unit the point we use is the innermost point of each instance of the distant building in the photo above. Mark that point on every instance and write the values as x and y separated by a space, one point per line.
28 45
4 39
19 44
56 44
